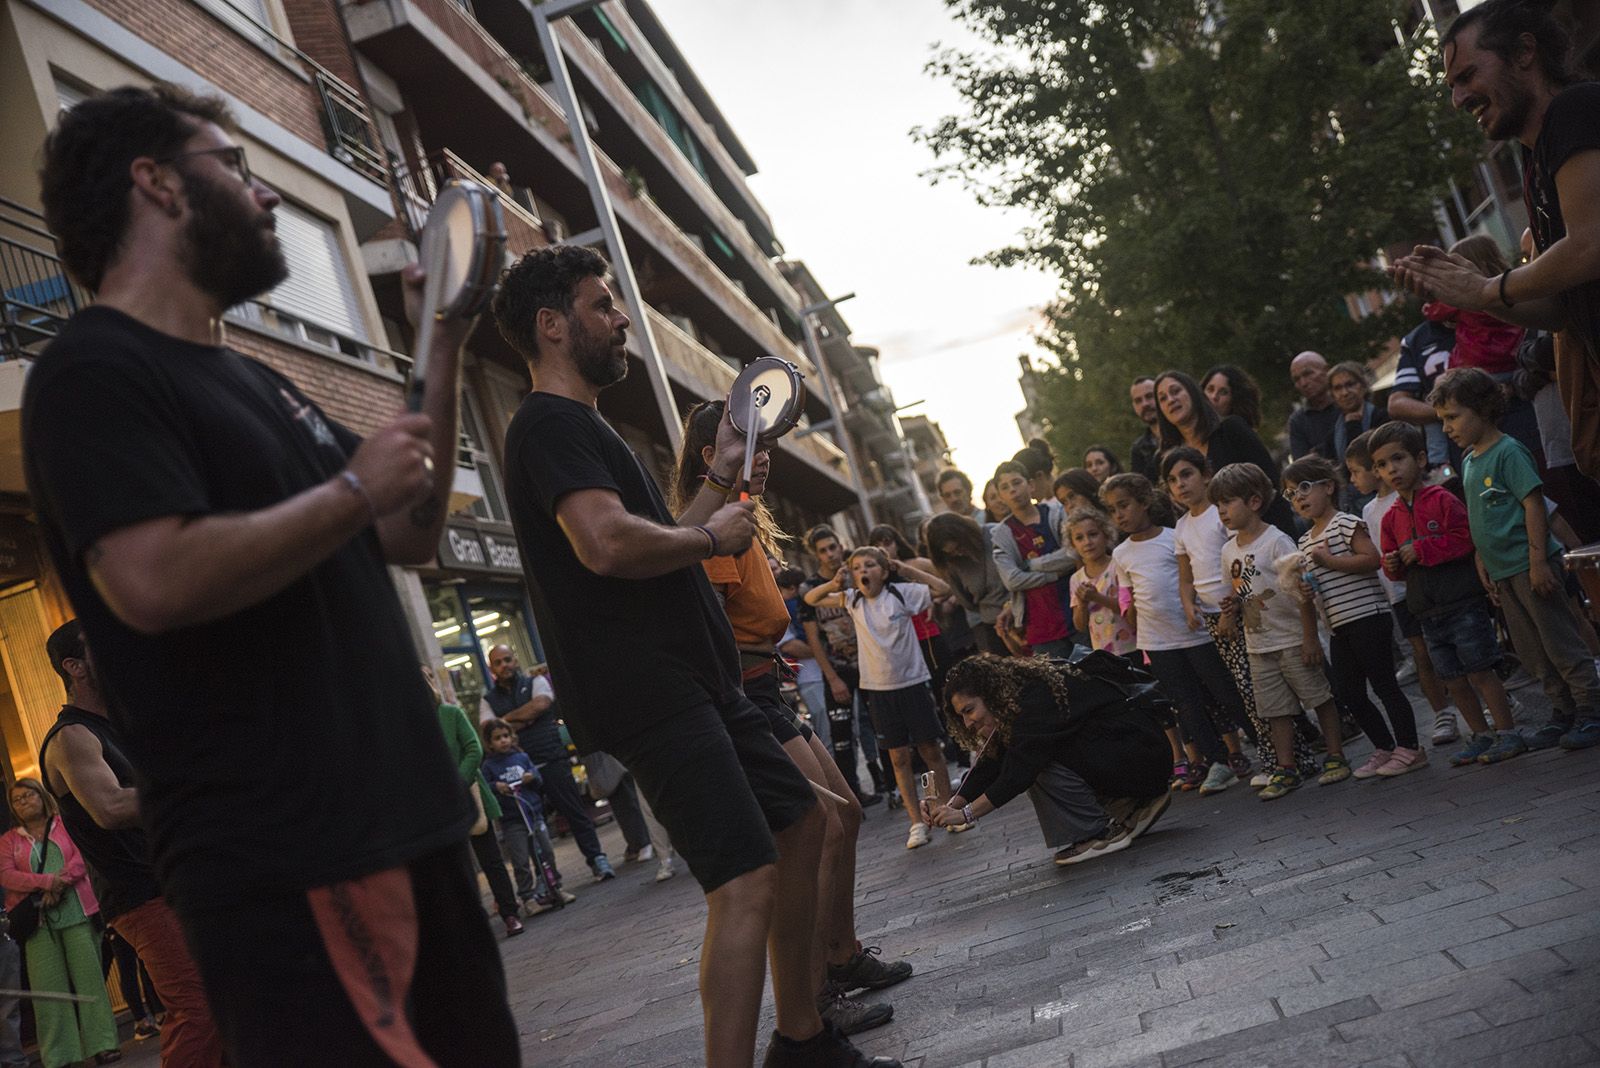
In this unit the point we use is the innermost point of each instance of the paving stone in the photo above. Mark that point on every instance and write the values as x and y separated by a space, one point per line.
1436 920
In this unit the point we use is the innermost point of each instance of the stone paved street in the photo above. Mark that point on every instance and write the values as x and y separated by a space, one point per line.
1444 918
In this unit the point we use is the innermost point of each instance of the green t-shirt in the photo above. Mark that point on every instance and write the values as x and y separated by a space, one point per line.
1496 483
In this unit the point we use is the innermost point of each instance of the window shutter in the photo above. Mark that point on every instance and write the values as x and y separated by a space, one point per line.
318 288
69 95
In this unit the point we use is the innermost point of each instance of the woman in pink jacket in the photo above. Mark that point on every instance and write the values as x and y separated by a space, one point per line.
63 954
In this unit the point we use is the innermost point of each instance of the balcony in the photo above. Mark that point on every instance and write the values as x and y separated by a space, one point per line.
442 56
419 186
36 296
592 64
694 367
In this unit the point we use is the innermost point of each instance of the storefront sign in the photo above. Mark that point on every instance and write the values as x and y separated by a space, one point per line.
18 560
479 550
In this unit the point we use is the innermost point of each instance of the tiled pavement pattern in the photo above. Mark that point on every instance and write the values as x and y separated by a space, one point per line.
1445 918
1448 917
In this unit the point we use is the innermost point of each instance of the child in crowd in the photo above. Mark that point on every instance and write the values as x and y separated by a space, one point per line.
1076 488
1097 600
1281 635
522 827
1342 569
894 675
1358 461
1198 539
1518 555
1187 665
1426 542
1032 554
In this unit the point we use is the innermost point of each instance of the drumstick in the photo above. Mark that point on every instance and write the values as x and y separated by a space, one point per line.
435 248
749 454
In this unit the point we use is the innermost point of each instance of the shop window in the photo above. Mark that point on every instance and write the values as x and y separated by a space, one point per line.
468 621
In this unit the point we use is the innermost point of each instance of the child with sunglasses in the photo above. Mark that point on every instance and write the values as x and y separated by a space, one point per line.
1342 568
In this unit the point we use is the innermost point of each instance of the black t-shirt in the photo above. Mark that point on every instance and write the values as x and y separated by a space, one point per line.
623 652
118 860
838 630
1571 125
292 744
1311 430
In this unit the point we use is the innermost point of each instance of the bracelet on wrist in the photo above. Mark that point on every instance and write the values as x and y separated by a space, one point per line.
353 481
712 547
1504 299
714 482
966 814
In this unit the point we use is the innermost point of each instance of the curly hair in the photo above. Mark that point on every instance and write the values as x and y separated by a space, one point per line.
1473 389
544 278
1098 518
88 159
1501 26
998 682
1245 393
700 430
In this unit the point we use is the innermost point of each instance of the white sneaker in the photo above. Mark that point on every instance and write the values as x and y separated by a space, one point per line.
1445 726
919 837
1260 779
665 872
1407 672
647 853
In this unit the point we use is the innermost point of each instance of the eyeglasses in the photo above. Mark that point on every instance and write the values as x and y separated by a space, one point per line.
1309 485
232 157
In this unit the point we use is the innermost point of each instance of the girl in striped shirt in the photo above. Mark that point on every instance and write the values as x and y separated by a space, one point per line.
1342 565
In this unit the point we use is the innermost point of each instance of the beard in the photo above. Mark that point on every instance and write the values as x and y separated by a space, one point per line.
1513 116
231 254
600 358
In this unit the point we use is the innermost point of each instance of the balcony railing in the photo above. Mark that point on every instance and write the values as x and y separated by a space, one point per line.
36 296
419 186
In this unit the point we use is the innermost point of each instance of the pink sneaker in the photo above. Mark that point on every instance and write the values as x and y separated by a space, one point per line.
1402 761
1378 759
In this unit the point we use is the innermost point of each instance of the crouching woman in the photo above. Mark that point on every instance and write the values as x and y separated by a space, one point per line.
1089 751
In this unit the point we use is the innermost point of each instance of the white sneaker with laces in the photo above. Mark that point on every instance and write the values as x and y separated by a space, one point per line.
919 836
1445 726
665 872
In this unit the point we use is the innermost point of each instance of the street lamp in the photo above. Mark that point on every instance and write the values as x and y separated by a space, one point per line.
543 15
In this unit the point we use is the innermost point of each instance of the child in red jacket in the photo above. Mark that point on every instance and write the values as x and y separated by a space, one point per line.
1426 543
1482 341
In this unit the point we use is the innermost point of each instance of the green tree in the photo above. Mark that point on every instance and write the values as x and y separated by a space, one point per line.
1207 179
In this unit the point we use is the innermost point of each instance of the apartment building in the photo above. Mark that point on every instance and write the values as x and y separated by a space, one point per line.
357 112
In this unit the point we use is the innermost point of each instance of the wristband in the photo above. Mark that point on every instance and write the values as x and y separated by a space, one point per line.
712 548
1503 298
716 483
353 480
966 814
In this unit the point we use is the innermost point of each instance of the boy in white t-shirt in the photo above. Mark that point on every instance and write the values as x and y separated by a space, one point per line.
894 674
1279 632
1358 461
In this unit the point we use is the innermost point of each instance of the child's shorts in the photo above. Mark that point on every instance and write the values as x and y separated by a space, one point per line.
1284 683
904 717
1461 639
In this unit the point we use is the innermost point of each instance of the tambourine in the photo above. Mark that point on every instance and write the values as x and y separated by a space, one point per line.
463 250
765 403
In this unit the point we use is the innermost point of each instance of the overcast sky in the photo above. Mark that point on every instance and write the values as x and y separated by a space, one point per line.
823 94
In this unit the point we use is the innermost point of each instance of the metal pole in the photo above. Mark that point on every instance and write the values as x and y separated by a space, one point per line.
621 265
829 393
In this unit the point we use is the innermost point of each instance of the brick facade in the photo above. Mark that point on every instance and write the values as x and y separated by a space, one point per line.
216 52
319 32
361 401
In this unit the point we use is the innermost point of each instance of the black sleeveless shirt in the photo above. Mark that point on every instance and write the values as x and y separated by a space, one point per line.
119 860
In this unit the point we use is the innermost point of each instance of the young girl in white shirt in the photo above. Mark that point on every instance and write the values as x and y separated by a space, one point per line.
1183 659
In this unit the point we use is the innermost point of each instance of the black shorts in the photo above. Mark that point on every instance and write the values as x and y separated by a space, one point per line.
720 784
764 693
903 717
